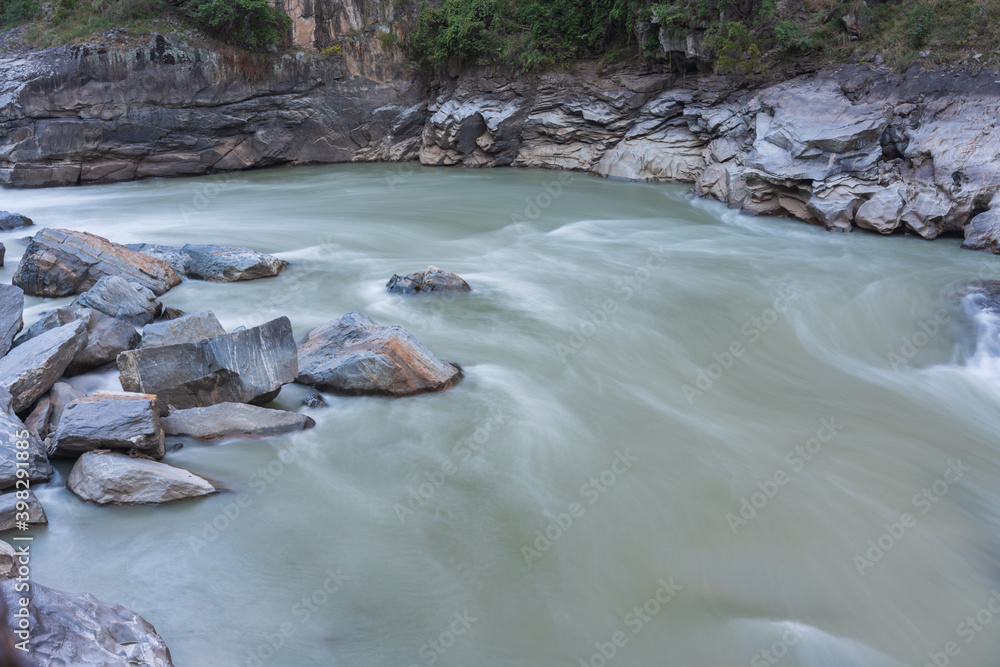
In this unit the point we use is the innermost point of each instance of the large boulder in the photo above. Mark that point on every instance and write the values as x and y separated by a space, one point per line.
79 630
110 420
122 299
881 212
106 477
227 420
9 221
12 434
215 263
431 280
60 262
30 509
106 336
248 366
30 370
62 394
356 356
983 232
184 329
11 314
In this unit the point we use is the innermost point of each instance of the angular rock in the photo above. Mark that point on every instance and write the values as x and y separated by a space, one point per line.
881 212
12 432
983 232
431 280
106 336
9 221
232 420
926 215
184 329
106 477
8 562
30 370
9 511
124 300
215 263
11 313
314 401
248 366
61 262
110 420
38 420
79 630
356 356
62 394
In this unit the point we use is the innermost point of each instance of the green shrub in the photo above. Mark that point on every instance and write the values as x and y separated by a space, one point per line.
388 39
920 19
792 37
333 51
735 50
251 24
13 12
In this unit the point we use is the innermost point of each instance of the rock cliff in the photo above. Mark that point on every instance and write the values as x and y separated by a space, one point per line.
844 147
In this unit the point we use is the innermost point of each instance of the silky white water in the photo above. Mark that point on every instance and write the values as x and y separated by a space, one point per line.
685 437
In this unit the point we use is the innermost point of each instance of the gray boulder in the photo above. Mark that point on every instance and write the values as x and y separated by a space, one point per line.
431 280
38 420
983 232
79 630
106 336
30 370
184 329
9 221
110 420
122 299
105 477
13 432
356 356
10 507
248 366
227 420
62 394
215 263
60 262
11 313
881 212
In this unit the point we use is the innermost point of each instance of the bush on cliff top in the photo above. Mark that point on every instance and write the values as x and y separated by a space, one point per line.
14 12
251 24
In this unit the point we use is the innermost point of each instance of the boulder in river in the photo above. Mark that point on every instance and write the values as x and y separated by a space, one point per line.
60 262
122 299
983 232
11 315
110 420
106 336
227 420
13 432
222 264
106 477
248 366
9 221
38 420
355 356
30 370
9 511
431 280
79 630
62 394
184 329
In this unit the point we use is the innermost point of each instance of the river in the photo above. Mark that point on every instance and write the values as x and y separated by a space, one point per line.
685 437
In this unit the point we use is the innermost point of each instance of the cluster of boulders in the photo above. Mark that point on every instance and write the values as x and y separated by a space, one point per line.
181 375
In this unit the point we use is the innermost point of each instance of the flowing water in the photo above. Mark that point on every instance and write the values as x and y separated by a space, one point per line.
685 437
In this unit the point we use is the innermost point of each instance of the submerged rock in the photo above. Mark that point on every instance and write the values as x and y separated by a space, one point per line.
431 280
357 356
9 221
233 419
9 511
12 432
79 630
184 329
122 299
222 264
314 401
30 370
248 366
105 477
11 315
110 420
60 262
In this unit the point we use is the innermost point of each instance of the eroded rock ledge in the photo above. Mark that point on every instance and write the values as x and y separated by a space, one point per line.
847 147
